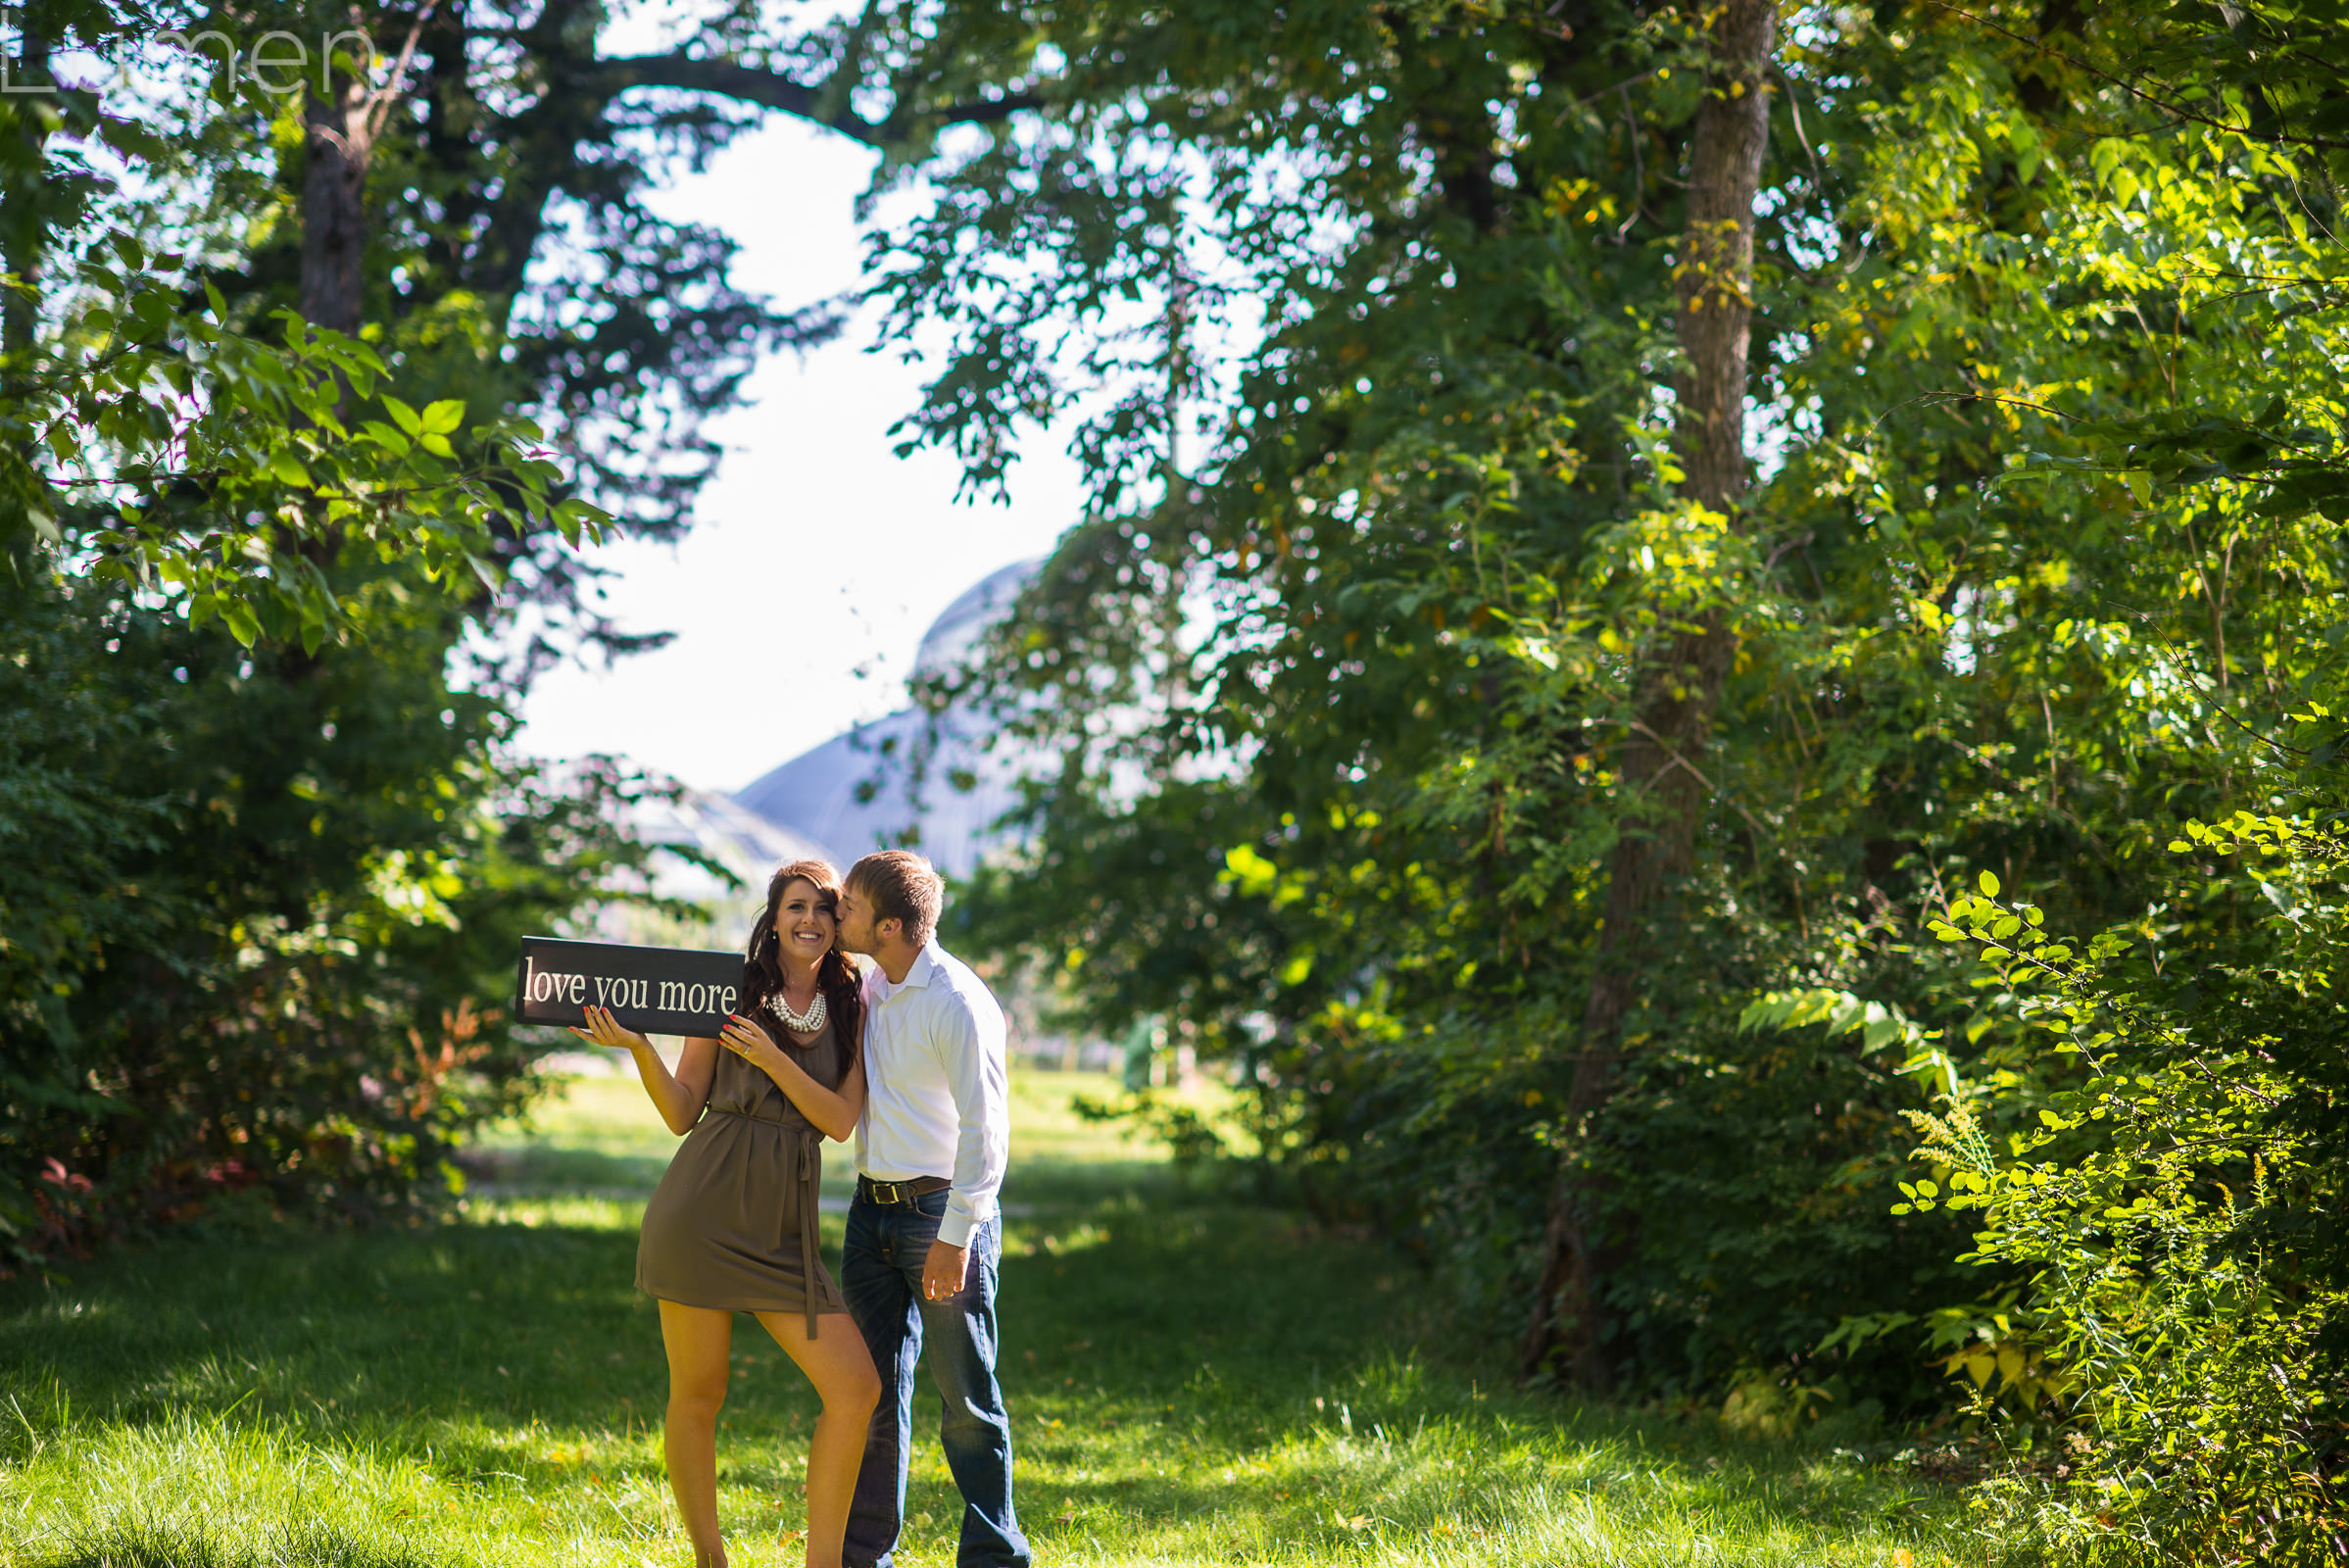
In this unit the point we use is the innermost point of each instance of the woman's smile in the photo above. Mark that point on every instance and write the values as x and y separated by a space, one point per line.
803 920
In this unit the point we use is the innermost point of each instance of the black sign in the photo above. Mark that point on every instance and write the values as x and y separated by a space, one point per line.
655 991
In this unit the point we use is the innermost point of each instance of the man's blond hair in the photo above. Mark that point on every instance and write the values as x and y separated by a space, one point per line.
903 887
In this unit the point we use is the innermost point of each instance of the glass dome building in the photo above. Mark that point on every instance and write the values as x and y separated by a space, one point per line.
889 784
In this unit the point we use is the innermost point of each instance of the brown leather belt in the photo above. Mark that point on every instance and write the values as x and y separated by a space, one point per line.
904 1192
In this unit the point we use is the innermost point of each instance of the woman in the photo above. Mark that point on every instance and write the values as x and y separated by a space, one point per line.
733 1226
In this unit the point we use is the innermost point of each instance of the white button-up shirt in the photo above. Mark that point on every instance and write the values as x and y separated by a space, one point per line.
936 1088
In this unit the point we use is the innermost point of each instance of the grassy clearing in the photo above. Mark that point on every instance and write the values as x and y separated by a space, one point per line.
1192 1381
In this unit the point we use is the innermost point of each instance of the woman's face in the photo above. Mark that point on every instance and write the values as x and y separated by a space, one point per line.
803 922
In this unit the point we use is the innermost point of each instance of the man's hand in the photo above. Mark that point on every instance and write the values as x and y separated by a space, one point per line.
943 1271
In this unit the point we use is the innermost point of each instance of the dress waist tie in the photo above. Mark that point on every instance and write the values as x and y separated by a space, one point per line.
803 1154
802 1160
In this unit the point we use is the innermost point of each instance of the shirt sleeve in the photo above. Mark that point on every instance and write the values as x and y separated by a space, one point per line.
971 1048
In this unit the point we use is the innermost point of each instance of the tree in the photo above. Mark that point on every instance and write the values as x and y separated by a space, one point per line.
285 473
1663 768
1973 610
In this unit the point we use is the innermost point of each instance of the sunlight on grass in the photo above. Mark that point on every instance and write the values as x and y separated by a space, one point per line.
1192 1381
601 1134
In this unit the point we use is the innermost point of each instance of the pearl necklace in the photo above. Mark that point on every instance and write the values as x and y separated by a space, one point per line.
798 1022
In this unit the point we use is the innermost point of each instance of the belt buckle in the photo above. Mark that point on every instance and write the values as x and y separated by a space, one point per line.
891 1193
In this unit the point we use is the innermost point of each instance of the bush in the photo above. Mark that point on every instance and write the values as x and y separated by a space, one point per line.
2176 1203
258 914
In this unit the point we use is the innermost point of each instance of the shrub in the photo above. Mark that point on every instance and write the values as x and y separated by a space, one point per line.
2175 1206
258 912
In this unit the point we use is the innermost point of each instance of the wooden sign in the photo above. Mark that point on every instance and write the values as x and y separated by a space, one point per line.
655 991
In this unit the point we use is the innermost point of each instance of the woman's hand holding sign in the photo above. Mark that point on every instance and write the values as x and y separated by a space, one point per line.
752 1044
602 1029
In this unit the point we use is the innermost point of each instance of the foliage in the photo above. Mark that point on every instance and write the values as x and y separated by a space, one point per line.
2177 1204
157 438
273 592
257 912
1188 1134
217 471
2044 550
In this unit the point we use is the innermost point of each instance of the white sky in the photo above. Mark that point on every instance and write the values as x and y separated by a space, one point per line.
816 551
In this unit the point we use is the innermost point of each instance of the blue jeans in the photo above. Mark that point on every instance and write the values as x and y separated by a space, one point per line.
880 1274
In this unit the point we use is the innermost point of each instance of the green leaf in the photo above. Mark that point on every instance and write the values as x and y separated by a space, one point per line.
407 417
575 517
386 437
421 463
240 620
1989 883
441 418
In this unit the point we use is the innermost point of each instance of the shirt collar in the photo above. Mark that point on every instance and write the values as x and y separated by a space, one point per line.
919 976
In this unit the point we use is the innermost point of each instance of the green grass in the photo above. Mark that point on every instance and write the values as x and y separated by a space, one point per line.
1191 1380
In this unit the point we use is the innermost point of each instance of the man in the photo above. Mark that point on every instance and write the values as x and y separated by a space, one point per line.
924 1240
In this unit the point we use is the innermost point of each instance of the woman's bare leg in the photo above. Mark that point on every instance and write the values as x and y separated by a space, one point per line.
837 1362
697 1339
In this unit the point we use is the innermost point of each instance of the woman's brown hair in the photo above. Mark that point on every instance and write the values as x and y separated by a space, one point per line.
836 978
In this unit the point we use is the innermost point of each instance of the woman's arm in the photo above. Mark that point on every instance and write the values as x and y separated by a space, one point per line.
832 1111
852 1094
678 1096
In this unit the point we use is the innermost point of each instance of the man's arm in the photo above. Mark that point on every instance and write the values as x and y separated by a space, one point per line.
970 1043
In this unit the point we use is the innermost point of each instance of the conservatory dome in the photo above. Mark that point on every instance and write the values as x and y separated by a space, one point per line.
959 626
892 783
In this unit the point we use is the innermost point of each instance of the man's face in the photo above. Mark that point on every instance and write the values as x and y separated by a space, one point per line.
856 933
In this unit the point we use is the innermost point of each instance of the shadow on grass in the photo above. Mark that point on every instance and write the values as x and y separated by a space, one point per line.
1048 1183
328 1328
560 1168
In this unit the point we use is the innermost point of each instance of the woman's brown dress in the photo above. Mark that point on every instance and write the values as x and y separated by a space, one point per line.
733 1223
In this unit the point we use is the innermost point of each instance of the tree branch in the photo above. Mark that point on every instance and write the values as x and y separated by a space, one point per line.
731 78
814 103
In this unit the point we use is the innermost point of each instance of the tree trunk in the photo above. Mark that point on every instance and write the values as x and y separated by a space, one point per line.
1664 788
24 225
339 146
339 143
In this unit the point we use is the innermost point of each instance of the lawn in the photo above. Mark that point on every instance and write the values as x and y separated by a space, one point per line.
1192 1379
